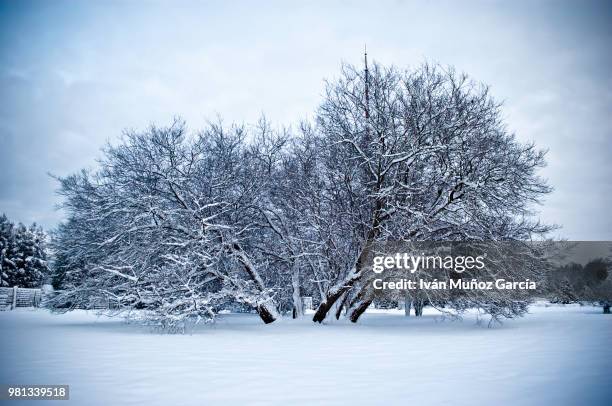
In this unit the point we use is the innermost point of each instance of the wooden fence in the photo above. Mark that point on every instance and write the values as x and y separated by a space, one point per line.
11 298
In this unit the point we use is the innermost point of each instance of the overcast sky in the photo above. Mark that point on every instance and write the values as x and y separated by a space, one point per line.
74 75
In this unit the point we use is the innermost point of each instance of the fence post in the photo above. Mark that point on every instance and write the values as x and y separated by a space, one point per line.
14 304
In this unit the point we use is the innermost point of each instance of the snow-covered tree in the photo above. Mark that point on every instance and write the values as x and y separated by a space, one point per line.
425 156
23 257
169 223
180 224
7 245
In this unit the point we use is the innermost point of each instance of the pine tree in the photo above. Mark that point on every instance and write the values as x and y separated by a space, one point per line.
22 253
7 243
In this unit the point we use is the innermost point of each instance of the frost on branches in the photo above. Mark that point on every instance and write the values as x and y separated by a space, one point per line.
182 225
430 161
170 224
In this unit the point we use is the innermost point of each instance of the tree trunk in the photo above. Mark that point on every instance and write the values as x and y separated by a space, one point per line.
298 306
267 313
359 304
359 310
267 310
340 288
407 305
606 309
419 304
342 304
327 304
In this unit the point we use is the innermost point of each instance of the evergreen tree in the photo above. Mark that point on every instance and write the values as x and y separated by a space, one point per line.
7 244
22 253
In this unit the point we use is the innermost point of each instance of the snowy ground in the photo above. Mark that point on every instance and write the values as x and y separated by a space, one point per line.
554 356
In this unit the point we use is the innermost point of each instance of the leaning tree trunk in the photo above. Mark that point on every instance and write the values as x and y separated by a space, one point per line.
332 296
340 288
359 304
267 313
342 305
266 308
359 309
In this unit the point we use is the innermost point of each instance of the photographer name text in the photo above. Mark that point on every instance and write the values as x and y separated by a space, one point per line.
453 284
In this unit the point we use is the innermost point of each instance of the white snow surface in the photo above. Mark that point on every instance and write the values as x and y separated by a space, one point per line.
556 355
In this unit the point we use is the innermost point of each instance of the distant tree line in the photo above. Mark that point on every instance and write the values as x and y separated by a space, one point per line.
575 283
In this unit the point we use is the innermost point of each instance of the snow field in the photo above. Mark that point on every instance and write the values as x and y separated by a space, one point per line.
559 355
